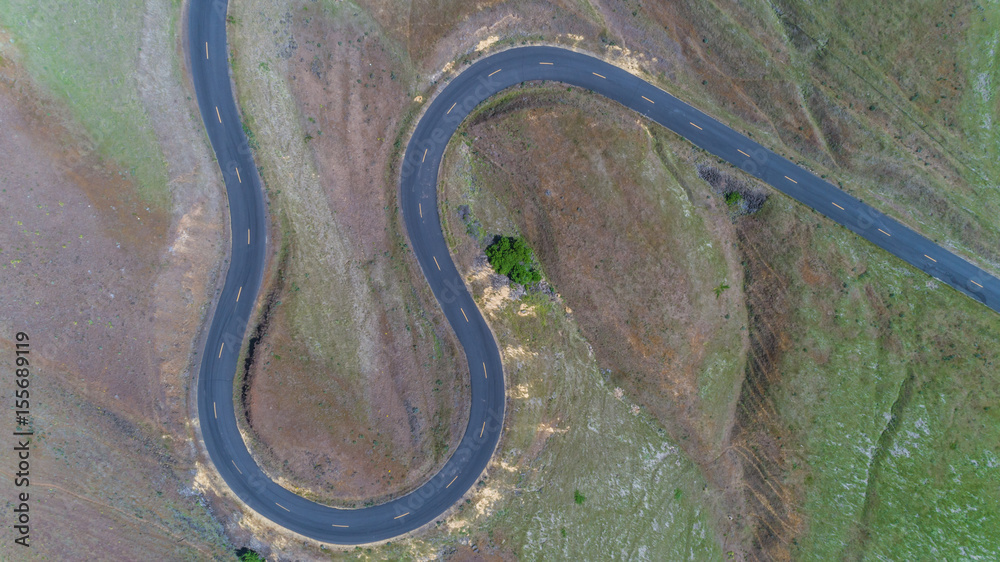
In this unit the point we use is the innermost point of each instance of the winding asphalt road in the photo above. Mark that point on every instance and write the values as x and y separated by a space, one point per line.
418 199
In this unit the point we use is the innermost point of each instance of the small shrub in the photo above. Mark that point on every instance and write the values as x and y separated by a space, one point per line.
251 138
718 290
742 196
248 555
578 497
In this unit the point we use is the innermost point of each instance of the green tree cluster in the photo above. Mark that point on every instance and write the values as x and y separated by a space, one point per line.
510 256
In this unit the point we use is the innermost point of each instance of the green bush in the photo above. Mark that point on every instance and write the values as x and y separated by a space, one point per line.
510 256
578 497
248 555
718 290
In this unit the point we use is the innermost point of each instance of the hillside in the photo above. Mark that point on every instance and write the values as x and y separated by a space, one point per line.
797 401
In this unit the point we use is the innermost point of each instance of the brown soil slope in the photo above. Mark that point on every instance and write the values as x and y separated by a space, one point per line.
111 291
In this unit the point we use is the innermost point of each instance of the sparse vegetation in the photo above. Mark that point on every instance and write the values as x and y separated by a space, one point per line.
741 195
578 497
251 137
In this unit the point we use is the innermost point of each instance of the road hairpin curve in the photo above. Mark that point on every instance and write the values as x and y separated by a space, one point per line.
418 185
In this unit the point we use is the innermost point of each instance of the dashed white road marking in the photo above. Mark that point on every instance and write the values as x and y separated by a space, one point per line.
282 507
237 468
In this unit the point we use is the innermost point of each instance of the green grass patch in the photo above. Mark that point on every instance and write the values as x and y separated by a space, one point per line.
887 390
86 56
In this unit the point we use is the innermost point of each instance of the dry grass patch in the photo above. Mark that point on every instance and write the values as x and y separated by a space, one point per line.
357 393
